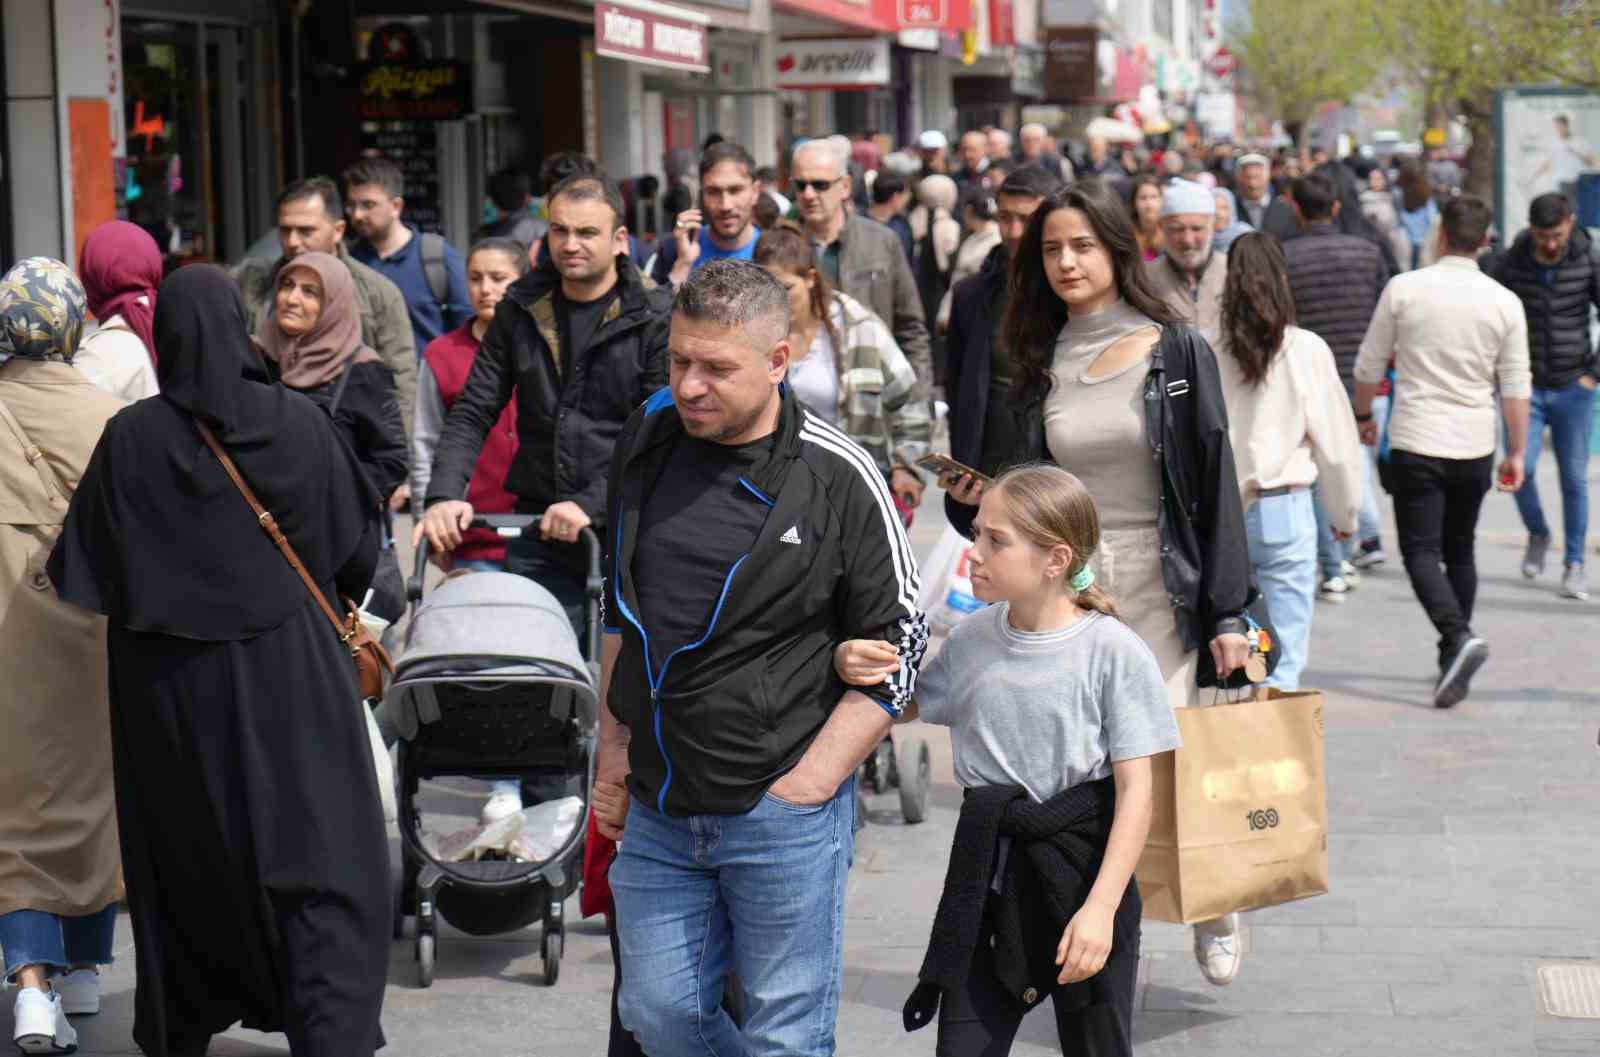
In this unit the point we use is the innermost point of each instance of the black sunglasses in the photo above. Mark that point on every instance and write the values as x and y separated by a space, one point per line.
818 186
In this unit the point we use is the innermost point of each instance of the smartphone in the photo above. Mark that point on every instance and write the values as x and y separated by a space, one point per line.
945 466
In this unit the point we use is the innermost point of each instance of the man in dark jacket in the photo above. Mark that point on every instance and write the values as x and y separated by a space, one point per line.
862 258
1336 280
1258 206
748 539
1554 268
978 377
580 341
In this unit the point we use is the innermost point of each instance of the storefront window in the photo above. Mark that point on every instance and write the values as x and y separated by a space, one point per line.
185 105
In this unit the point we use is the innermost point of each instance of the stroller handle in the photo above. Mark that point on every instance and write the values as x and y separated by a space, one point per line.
513 526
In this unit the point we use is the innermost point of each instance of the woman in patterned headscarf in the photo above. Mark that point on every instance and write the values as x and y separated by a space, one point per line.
60 874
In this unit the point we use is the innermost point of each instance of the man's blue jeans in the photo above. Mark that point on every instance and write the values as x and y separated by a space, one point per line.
760 895
1569 412
34 937
1282 531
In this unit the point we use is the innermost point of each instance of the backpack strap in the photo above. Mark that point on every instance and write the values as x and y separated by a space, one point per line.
434 269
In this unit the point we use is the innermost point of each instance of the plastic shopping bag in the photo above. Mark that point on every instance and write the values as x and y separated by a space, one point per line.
947 595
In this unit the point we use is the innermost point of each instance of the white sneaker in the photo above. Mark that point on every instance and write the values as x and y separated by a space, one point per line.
79 991
1333 589
1218 950
1351 575
42 1025
503 802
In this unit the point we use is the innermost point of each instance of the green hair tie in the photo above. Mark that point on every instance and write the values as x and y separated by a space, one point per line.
1083 580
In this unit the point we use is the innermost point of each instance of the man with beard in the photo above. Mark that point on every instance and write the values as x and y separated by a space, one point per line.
978 378
723 226
1190 273
585 345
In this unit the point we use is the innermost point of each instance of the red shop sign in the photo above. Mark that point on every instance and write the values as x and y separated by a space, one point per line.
640 35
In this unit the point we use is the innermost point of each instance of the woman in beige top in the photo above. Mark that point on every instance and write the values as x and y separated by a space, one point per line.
1292 427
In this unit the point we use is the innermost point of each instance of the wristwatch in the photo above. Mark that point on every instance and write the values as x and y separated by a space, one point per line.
1364 418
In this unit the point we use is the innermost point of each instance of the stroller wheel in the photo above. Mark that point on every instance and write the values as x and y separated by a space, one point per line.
915 773
425 959
878 775
552 957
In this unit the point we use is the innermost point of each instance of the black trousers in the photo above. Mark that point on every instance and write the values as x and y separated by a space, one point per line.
1436 506
1093 1021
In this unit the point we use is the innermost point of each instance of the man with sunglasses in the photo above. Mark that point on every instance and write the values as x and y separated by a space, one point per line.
864 259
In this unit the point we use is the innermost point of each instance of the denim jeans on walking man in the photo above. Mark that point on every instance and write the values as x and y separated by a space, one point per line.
1282 531
1569 412
759 894
57 942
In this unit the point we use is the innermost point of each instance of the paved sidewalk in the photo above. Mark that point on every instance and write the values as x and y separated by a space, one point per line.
1463 852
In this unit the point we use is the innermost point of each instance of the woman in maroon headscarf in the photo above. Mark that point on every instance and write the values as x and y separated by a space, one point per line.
120 268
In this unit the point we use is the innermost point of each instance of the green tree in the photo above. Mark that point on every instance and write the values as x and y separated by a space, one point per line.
1297 54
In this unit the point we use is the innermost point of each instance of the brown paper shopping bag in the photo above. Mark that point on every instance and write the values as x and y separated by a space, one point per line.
1241 810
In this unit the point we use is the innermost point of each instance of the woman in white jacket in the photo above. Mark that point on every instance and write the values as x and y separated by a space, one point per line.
1291 426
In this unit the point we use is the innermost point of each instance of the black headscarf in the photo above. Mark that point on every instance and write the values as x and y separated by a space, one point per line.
157 537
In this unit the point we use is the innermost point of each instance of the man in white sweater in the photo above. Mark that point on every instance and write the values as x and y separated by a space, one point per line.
1457 340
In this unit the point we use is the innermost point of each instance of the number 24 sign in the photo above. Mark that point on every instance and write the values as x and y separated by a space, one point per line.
930 14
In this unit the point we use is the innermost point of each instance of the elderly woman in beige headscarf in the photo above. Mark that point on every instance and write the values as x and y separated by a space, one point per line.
60 872
312 340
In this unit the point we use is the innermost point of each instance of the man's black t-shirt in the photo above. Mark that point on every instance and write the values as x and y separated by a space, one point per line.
697 520
577 322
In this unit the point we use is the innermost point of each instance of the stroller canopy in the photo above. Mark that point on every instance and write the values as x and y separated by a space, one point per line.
489 620
484 627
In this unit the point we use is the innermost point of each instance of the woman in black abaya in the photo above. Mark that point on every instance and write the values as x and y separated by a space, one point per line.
252 835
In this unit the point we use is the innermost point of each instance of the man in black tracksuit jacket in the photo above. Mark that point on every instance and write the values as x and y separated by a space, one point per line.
748 538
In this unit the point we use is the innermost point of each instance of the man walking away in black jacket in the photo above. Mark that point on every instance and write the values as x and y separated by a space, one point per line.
1554 268
580 342
1336 280
749 539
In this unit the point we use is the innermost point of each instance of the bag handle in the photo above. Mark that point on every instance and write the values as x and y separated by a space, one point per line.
269 525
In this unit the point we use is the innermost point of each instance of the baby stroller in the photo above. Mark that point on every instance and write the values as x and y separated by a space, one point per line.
490 684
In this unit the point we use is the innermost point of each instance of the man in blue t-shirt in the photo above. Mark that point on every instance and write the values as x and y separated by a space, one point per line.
723 226
426 268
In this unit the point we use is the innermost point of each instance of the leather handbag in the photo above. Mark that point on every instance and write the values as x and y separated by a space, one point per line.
371 659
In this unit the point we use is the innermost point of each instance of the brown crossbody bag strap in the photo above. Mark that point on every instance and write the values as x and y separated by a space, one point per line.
370 657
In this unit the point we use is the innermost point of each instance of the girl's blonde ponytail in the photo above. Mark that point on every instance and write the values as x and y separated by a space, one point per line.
1049 507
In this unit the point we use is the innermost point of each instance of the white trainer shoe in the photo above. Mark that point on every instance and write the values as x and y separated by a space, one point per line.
79 991
503 802
41 1023
1333 589
1218 949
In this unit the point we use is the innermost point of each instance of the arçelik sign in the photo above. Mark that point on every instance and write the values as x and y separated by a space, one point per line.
841 62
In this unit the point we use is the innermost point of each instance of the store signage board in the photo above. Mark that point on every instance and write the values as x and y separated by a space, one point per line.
922 14
412 91
835 62
1070 69
650 36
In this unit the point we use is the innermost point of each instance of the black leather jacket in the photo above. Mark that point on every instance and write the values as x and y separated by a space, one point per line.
1205 554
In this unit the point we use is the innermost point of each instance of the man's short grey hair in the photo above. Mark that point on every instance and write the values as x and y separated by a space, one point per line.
738 295
823 148
1033 128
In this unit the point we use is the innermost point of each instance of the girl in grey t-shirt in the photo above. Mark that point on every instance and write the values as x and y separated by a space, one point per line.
1045 689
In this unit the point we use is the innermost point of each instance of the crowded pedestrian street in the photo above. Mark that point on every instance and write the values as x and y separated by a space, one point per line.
799 528
1459 867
